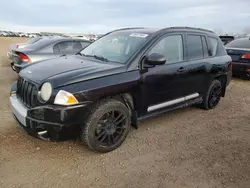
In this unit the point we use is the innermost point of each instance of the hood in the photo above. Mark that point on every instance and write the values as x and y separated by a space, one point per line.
69 69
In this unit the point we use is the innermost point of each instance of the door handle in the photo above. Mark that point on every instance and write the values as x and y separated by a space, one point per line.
181 69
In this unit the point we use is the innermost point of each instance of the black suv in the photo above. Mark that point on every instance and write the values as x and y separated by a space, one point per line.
122 78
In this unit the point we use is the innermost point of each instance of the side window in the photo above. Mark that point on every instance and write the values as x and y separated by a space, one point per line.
63 47
194 47
205 48
214 46
171 47
77 46
84 44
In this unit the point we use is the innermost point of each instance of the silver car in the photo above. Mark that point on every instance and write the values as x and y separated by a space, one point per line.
43 48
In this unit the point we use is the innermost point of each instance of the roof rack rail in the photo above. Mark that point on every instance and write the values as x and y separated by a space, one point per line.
129 28
125 29
193 28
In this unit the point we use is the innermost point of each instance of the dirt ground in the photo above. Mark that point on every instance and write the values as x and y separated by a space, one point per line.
184 148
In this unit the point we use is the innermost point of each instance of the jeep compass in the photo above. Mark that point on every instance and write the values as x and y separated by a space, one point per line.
124 77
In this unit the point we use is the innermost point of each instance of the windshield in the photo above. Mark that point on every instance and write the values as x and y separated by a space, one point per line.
240 43
117 47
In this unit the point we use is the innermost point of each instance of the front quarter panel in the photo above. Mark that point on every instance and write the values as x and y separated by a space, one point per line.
95 89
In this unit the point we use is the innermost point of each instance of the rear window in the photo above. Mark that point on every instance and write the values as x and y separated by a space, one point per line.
214 46
227 37
32 41
239 43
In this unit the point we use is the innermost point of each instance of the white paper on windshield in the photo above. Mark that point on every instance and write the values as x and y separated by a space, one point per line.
141 35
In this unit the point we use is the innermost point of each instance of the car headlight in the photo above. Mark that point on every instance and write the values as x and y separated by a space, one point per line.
46 91
65 98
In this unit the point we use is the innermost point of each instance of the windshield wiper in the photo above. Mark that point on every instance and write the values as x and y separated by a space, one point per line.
101 58
79 53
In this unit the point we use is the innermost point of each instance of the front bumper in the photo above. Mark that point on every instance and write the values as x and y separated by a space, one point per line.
49 122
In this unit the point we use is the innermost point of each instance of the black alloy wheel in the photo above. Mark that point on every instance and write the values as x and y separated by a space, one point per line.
106 126
110 128
214 96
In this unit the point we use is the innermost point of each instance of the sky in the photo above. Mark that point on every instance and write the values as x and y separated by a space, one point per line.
100 16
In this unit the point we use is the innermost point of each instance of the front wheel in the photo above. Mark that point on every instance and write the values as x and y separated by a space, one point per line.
106 126
213 96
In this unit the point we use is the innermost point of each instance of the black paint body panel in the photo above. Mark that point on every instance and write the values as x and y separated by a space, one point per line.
91 80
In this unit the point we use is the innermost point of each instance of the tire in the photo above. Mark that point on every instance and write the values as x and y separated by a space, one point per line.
209 97
246 76
102 131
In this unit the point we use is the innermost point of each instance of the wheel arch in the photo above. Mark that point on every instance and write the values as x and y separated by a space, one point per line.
223 80
129 100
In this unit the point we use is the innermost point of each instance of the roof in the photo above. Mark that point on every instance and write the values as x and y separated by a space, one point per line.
150 30
137 30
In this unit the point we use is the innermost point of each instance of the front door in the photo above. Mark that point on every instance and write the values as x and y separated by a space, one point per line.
162 85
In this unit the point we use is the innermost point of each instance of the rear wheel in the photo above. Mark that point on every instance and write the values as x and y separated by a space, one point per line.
107 126
246 76
213 95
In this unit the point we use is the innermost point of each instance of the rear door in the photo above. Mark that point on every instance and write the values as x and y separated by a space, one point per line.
196 67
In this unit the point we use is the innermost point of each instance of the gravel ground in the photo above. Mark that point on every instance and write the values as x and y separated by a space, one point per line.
184 148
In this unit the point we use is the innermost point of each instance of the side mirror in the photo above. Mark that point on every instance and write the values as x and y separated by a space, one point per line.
155 59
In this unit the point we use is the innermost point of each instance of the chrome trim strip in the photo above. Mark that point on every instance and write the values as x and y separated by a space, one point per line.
18 109
42 133
191 96
172 102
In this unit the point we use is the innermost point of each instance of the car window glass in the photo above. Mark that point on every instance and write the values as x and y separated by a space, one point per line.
118 46
77 46
205 48
171 47
214 46
84 44
239 43
34 40
194 47
64 47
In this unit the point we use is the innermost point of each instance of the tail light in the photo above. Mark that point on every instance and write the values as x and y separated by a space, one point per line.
24 57
245 56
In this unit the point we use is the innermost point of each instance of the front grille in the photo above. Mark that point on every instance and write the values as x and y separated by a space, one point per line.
27 93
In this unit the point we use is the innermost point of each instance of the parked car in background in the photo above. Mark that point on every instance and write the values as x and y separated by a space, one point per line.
23 35
80 37
124 77
226 38
44 48
239 50
3 34
15 46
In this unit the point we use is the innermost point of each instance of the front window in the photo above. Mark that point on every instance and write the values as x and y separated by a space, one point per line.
116 47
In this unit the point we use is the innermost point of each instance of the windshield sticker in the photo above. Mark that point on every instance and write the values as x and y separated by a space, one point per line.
141 35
